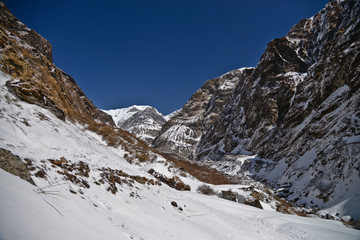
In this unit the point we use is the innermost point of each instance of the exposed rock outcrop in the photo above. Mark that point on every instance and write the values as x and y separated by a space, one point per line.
31 76
27 57
184 129
28 36
300 109
13 164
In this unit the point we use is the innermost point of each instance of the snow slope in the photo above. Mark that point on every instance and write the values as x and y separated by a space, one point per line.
151 217
60 209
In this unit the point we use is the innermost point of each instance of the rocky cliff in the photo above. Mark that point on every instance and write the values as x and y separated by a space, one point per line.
300 109
27 57
184 129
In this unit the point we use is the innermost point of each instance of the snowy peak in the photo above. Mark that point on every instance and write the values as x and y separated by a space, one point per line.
145 122
122 114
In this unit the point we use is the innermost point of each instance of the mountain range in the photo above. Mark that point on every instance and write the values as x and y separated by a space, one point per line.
260 152
145 122
292 120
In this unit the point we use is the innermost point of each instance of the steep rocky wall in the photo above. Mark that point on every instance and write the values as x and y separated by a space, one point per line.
262 102
300 108
182 132
14 26
27 57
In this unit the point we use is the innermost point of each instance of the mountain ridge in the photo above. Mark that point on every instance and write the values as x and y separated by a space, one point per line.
296 112
92 180
181 132
145 121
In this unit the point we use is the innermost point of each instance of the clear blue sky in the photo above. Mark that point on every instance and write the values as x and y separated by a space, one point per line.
157 52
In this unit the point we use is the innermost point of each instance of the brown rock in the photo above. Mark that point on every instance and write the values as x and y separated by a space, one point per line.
53 88
13 164
63 160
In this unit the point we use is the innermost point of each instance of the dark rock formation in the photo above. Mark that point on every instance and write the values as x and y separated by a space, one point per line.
300 109
255 203
228 195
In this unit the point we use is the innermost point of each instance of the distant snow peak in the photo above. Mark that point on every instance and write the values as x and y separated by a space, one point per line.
122 114
143 121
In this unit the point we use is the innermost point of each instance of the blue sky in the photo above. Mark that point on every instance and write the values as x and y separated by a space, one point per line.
157 52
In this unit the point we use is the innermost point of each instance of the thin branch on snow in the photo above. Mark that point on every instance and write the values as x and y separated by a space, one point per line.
52 206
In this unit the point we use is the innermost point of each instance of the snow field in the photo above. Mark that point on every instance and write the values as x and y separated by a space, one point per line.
50 211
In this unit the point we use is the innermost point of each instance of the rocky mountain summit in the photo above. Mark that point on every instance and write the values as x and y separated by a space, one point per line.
298 111
145 122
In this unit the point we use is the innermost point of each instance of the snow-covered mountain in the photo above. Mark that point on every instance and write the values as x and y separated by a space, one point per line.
85 188
297 111
145 122
68 173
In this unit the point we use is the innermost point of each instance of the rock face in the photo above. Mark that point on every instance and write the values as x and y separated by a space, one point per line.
27 57
28 36
12 164
184 129
31 76
300 110
144 122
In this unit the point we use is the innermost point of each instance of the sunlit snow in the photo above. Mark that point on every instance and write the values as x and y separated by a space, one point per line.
50 211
